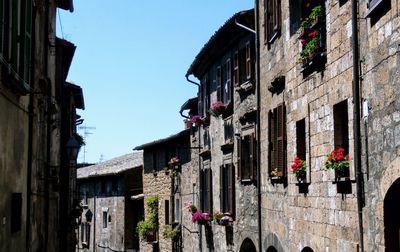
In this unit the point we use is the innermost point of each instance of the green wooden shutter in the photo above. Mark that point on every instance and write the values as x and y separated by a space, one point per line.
15 32
26 74
1 28
231 189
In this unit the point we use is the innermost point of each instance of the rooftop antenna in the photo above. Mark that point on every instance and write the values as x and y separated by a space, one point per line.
86 133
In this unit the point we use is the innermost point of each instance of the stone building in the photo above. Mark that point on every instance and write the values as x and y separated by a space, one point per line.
165 160
224 141
37 120
317 70
112 200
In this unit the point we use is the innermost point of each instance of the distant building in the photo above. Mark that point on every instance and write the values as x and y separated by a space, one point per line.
112 200
164 161
224 142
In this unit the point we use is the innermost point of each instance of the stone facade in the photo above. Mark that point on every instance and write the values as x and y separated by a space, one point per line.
112 200
326 209
222 141
163 180
33 97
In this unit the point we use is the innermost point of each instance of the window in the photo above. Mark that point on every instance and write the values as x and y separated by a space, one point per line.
247 157
154 160
341 126
204 101
177 215
272 20
301 139
295 8
85 234
16 212
227 88
114 184
16 39
375 4
227 188
249 65
236 69
166 212
105 221
103 186
277 141
219 82
206 190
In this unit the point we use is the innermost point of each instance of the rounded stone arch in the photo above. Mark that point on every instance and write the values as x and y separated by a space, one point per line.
391 217
307 249
247 246
272 243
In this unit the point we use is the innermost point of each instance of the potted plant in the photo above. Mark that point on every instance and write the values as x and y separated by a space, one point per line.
304 25
316 14
299 168
222 219
171 232
338 162
201 218
217 108
198 120
147 229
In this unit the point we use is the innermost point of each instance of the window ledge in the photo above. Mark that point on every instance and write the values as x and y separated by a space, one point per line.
247 181
343 180
245 87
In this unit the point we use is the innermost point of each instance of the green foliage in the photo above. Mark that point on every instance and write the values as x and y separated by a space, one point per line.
170 232
315 13
143 227
151 222
304 24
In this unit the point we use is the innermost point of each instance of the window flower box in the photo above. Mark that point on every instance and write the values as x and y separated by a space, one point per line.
222 219
199 120
201 218
299 168
217 108
340 163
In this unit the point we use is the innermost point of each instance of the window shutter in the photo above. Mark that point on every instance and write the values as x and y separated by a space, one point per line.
270 19
202 190
222 188
27 42
228 83
235 76
209 190
219 83
231 189
1 27
15 33
265 24
272 142
281 139
239 155
252 157
200 100
248 60
277 15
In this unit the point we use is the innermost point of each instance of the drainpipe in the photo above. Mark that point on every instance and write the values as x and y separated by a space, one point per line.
258 124
199 173
30 137
356 122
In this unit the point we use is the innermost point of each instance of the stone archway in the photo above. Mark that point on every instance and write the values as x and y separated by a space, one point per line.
272 243
391 215
307 249
247 246
272 249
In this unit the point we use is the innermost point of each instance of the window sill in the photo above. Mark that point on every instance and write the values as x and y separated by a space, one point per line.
340 180
245 87
277 179
318 60
247 181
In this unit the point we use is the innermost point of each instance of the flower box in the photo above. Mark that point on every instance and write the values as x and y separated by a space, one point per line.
201 218
340 163
217 108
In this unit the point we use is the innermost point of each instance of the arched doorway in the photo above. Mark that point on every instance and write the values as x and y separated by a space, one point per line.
248 246
392 217
272 249
307 249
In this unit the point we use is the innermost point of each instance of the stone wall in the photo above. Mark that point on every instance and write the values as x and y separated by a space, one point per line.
379 48
329 217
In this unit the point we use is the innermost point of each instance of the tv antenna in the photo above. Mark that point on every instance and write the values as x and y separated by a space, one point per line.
86 133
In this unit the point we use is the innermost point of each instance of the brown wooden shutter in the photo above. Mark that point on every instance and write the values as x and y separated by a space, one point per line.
202 190
222 188
239 155
281 139
219 83
254 162
270 19
265 23
200 101
235 76
252 157
231 189
277 15
209 190
272 142
248 60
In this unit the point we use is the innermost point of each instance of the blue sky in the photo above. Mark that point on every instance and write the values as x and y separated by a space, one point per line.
131 61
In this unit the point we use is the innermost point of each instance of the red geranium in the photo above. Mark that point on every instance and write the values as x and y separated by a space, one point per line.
337 160
299 167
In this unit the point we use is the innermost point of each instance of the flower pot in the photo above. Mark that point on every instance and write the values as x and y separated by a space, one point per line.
341 174
151 236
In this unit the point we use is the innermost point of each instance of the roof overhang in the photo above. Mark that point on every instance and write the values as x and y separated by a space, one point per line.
78 95
171 138
66 5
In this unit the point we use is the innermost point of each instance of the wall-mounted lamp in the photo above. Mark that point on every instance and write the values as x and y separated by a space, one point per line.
73 147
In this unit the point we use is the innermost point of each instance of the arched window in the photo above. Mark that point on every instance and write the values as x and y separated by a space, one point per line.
272 249
248 246
307 249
